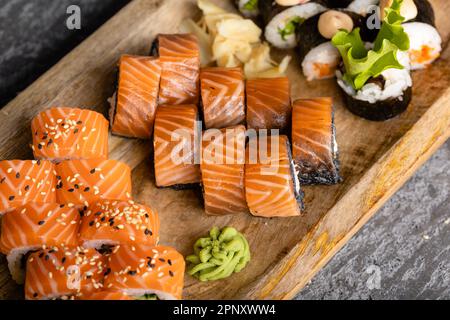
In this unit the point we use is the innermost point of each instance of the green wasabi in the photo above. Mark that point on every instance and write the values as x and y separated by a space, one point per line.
362 64
220 255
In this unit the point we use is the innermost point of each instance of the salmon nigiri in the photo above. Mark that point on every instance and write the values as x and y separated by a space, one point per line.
179 55
26 181
222 167
108 223
174 146
33 226
64 273
272 188
223 97
80 182
134 105
146 272
268 103
69 133
314 145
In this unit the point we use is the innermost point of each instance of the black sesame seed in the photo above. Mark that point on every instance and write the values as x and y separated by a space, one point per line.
3 180
59 177
171 273
52 251
63 260
35 295
108 271
162 260
27 187
148 232
80 122
47 257
41 255
103 219
92 171
40 146
18 175
91 223
87 189
39 162
41 223
11 198
71 190
62 206
76 131
170 262
132 273
77 186
98 213
49 142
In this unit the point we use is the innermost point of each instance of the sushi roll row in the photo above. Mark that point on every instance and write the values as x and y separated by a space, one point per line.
70 228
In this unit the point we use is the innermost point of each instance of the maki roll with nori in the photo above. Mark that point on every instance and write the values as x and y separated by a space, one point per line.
248 8
419 24
363 7
282 18
376 82
319 57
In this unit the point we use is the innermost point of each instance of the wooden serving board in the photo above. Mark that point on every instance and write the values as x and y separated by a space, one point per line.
377 158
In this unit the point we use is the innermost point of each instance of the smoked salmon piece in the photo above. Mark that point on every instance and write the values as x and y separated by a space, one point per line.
145 270
179 55
32 226
271 186
314 146
223 97
134 105
107 296
268 104
174 146
80 182
26 181
67 133
58 273
222 167
115 222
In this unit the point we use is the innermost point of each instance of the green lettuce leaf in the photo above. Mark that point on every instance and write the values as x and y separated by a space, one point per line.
362 64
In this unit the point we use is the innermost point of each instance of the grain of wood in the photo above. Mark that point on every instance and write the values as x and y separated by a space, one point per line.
377 158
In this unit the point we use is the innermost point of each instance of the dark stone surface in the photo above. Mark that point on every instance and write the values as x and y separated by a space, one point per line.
406 246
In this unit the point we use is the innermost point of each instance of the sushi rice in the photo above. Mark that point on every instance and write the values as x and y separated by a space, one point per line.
321 62
362 7
425 44
280 22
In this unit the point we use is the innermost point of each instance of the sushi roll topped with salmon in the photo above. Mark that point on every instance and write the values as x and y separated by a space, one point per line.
107 223
179 55
81 182
26 181
64 273
69 133
146 272
133 106
33 226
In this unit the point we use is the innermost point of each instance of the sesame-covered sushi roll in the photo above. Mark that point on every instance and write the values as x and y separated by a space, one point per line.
26 181
146 272
222 167
223 97
33 226
282 18
272 188
376 82
314 146
175 148
81 182
320 59
133 106
68 133
419 25
268 103
179 55
107 223
64 273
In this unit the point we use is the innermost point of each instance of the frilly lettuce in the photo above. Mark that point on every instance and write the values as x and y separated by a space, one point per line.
362 64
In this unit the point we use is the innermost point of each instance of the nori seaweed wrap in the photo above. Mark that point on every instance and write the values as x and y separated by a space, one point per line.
425 12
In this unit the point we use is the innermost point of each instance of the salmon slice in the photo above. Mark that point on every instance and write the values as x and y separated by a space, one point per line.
179 55
139 270
67 133
174 144
222 168
314 146
111 222
80 182
134 106
271 186
58 273
26 181
223 97
268 104
32 226
106 296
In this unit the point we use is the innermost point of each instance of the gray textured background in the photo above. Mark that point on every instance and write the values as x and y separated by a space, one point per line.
403 253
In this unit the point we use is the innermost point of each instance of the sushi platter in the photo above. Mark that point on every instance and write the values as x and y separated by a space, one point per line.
357 113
